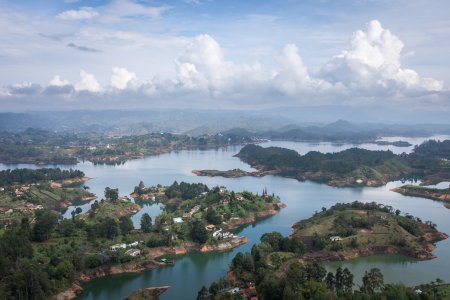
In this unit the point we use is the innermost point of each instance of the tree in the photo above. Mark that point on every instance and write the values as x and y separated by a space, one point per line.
66 227
65 269
92 261
140 189
27 281
203 293
110 228
214 288
46 221
146 223
312 289
372 281
315 271
339 280
111 194
273 238
347 280
199 232
272 287
243 262
14 244
126 225
95 205
213 217
330 281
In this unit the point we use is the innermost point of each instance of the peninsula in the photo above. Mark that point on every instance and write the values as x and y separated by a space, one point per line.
104 241
424 192
351 167
347 231
40 147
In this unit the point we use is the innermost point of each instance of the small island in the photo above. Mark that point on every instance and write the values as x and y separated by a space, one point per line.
395 143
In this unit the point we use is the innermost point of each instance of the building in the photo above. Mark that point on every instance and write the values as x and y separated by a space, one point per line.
177 220
118 246
217 233
210 227
5 210
133 244
335 238
133 252
195 209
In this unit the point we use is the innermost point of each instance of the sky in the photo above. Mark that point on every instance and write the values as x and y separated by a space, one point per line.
224 54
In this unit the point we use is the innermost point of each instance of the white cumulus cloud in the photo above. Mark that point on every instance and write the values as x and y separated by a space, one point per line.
293 75
57 81
87 83
121 78
204 67
373 61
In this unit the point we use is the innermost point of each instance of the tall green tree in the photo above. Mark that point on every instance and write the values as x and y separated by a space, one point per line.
372 281
46 221
199 232
110 229
111 194
146 223
126 225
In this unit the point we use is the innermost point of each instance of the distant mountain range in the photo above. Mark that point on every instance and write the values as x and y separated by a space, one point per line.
258 124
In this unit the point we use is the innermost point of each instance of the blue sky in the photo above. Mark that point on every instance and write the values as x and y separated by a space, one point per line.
227 54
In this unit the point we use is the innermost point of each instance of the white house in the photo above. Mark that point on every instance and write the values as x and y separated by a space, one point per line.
133 252
335 238
118 246
177 220
217 233
133 244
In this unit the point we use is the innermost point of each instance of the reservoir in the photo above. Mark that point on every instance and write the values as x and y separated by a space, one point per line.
193 270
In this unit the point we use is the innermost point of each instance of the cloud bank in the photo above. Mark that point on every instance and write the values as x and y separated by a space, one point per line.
368 71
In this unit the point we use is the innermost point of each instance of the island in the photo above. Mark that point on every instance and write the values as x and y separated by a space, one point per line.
352 167
291 267
395 143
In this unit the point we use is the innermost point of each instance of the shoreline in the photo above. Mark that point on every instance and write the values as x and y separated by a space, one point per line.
254 216
422 193
147 264
423 254
118 159
314 177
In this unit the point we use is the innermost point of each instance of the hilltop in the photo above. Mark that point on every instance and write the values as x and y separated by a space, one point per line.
351 230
